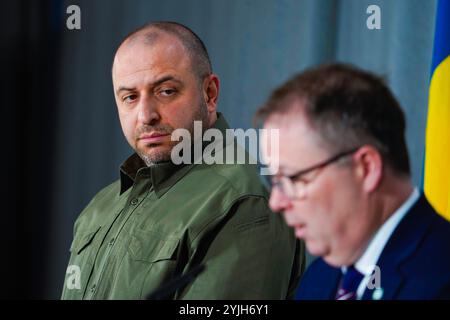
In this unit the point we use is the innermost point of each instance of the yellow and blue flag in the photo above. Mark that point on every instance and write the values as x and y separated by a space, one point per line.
437 143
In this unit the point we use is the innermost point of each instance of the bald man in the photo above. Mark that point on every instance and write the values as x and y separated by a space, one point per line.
160 219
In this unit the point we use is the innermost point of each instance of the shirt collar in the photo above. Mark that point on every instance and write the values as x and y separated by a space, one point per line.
368 260
163 175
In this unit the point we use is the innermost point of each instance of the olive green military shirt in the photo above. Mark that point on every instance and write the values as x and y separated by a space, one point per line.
158 222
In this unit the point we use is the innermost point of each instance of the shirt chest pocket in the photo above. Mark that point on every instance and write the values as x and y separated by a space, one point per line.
80 264
150 246
80 243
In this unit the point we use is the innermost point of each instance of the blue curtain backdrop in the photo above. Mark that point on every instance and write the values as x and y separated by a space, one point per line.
254 45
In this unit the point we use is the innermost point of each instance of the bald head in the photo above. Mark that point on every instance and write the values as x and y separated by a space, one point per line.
153 32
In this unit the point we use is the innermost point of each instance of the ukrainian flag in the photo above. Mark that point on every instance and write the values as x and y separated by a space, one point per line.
437 143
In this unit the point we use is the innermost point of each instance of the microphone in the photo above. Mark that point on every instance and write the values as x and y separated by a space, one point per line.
165 291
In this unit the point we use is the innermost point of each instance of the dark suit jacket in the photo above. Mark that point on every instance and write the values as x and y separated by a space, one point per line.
414 264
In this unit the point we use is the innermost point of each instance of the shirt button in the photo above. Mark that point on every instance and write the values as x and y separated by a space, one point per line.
134 201
93 288
111 242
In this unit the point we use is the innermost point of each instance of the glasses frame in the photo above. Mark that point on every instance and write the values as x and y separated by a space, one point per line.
288 188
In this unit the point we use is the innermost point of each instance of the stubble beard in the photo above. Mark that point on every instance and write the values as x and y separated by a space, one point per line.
157 156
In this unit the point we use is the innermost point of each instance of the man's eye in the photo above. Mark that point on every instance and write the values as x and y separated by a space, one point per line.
302 179
130 98
167 92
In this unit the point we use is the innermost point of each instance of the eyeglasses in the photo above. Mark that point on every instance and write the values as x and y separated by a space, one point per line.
294 186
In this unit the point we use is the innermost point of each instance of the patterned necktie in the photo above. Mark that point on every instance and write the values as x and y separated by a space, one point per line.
349 284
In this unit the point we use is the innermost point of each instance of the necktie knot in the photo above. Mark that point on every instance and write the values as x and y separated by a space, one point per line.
349 284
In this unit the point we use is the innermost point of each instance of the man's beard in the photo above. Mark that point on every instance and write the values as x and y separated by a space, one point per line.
158 156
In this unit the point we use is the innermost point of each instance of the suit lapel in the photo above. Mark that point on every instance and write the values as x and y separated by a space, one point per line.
402 244
333 278
320 282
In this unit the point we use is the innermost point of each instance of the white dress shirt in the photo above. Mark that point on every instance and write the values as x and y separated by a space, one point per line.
367 262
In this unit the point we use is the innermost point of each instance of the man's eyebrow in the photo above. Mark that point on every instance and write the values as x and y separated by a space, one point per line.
155 83
122 88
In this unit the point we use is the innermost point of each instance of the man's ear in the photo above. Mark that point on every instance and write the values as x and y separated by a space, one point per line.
369 167
211 91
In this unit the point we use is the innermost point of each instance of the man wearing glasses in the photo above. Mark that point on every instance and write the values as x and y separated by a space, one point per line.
344 185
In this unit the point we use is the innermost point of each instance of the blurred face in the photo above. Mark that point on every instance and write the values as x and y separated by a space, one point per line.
331 215
156 92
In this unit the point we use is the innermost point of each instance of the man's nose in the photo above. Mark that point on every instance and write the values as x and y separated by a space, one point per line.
148 112
278 201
